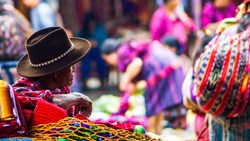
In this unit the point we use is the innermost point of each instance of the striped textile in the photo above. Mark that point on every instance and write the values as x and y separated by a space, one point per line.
221 76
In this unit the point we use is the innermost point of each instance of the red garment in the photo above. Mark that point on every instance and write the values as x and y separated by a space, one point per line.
30 90
46 112
199 124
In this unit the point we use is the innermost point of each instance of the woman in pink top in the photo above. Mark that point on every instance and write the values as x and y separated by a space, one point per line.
165 21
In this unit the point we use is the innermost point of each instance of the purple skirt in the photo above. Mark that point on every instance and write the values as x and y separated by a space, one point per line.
166 92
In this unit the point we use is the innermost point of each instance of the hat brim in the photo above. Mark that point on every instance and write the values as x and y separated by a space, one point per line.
81 47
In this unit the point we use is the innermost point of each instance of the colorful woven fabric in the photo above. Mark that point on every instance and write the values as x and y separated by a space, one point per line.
71 129
81 129
221 81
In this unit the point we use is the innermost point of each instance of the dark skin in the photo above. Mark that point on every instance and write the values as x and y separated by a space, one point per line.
65 78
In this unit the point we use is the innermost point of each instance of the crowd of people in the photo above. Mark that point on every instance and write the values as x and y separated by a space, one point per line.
208 77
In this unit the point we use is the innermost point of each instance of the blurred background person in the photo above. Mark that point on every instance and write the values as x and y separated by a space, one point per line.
14 30
176 116
189 97
93 30
225 123
173 44
150 61
167 21
46 81
41 14
55 6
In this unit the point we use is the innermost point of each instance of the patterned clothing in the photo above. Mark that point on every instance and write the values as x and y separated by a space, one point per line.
12 38
162 25
166 93
233 122
211 14
221 76
230 129
30 90
189 96
14 30
190 102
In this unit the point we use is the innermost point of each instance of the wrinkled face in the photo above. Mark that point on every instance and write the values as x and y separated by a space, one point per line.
65 77
111 59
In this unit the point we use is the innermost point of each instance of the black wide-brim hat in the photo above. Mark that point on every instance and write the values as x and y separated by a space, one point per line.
50 50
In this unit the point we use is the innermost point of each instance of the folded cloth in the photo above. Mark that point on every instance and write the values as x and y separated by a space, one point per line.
46 112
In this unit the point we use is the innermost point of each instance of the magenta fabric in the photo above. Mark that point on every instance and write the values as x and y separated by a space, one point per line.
199 123
161 25
130 50
211 14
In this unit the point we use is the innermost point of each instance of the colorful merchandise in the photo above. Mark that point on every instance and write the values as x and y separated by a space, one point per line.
82 129
12 122
129 108
107 104
221 76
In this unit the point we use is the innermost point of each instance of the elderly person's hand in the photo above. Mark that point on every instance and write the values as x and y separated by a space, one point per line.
66 101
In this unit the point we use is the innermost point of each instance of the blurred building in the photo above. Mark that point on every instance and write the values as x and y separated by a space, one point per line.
111 12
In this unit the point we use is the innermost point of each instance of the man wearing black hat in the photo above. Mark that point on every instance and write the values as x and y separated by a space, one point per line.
47 72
